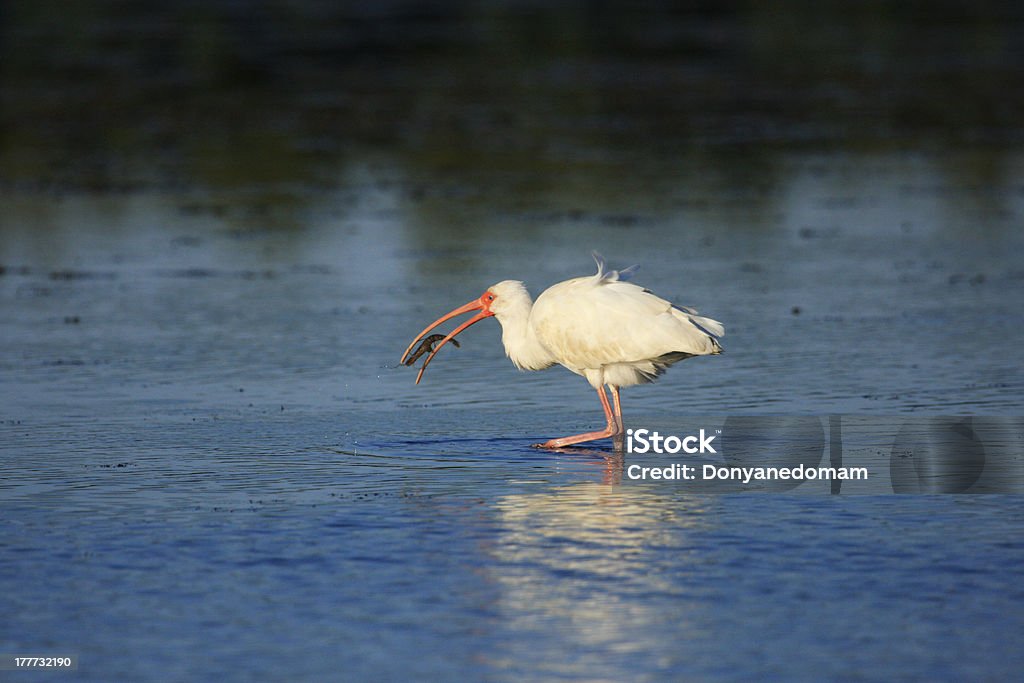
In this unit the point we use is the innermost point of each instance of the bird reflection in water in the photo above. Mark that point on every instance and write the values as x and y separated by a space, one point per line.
590 560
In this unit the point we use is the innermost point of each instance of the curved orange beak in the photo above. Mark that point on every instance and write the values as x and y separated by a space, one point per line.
475 305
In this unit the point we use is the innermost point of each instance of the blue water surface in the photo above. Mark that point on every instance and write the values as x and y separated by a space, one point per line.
222 222
273 546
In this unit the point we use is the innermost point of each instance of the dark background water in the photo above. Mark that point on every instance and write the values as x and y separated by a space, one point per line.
223 221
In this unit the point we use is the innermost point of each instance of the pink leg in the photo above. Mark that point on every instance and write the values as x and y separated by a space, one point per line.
611 430
620 428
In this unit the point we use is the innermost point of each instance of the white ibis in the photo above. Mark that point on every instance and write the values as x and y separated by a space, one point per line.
614 333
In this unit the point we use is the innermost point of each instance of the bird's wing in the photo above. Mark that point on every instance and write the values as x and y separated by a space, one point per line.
591 322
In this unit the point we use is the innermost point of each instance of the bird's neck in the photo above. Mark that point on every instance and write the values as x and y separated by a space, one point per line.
521 345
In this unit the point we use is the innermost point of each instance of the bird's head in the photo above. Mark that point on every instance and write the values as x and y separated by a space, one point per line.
504 298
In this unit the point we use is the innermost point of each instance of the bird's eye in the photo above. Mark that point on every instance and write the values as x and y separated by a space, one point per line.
490 297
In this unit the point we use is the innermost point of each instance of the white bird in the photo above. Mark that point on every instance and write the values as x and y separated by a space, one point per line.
614 333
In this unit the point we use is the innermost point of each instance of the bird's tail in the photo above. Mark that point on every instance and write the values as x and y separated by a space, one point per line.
712 328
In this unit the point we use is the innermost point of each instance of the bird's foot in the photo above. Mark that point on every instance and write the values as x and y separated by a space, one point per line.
610 432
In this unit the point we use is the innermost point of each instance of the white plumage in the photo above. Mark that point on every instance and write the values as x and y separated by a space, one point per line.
610 331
